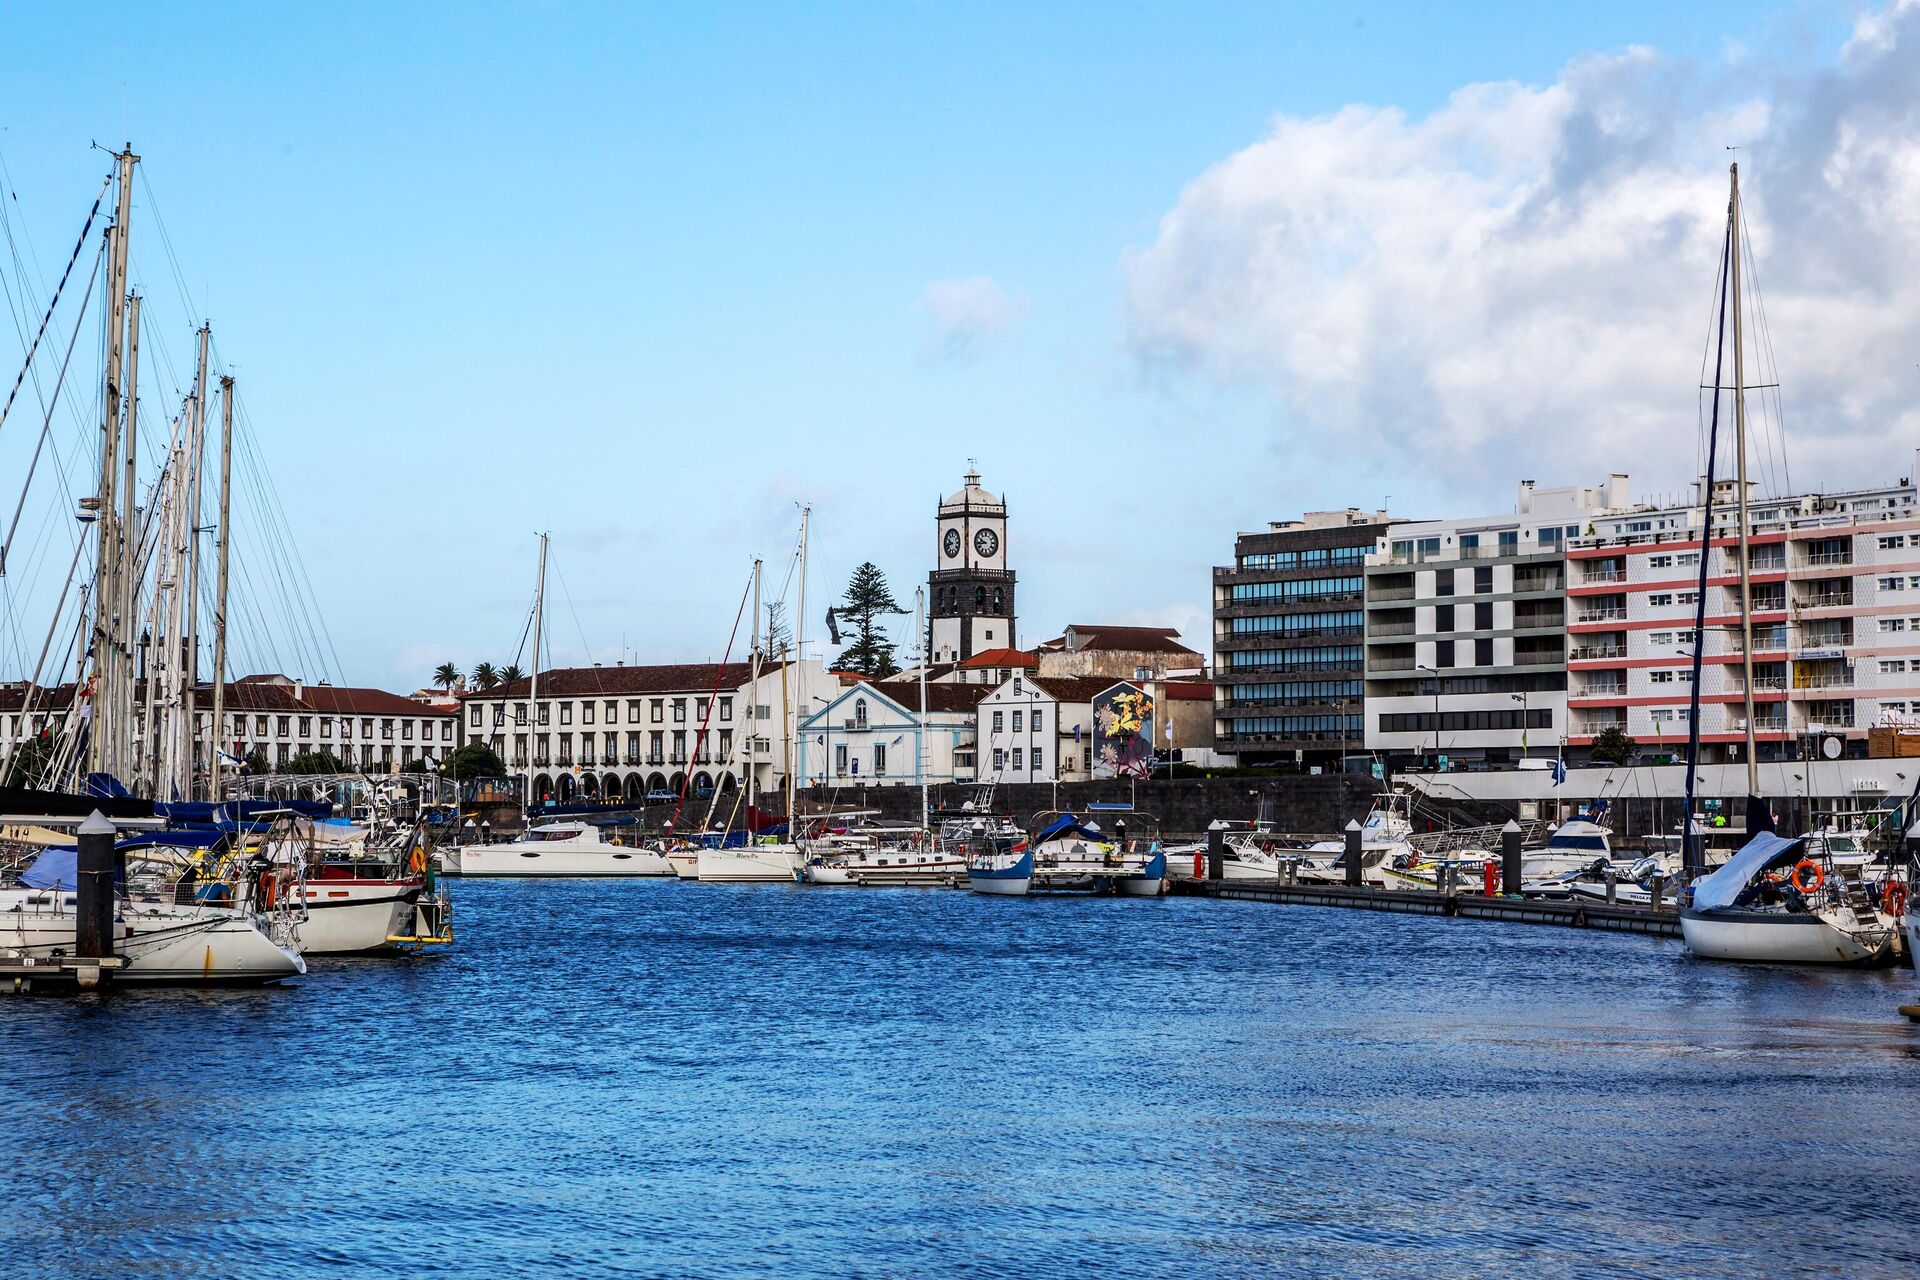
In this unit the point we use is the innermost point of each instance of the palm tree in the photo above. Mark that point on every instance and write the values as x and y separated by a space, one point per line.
446 675
511 672
485 676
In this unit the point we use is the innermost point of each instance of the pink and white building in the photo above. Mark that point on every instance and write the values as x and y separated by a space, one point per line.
1836 623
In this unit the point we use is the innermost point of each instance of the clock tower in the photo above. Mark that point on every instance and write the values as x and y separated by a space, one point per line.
970 593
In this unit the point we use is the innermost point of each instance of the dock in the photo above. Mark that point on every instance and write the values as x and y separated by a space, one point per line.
1572 914
17 976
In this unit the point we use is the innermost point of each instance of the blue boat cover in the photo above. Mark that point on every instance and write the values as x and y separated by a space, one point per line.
107 786
55 868
1068 825
1762 852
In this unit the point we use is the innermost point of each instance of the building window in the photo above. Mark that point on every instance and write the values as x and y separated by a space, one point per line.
859 713
386 728
726 710
999 759
656 747
1038 717
1038 766
406 730
346 725
446 731
473 715
633 711
679 710
1893 666
1443 653
285 726
1483 573
520 713
259 726
306 726
679 746
879 760
499 718
1443 617
1483 616
566 712
840 758
1017 766
1016 721
997 723
1483 652
657 710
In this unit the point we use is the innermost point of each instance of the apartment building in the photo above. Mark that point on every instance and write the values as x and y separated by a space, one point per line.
1289 639
1835 623
1466 629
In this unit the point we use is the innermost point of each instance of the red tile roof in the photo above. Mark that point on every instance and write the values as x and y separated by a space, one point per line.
591 682
1127 639
1071 688
330 699
1002 658
939 697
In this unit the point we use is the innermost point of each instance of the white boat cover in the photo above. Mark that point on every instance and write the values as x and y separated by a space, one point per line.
1722 887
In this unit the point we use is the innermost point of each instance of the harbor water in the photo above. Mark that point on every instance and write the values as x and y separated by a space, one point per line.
658 1078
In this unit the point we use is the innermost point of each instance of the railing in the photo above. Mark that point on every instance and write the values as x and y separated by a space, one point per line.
1819 600
1828 557
1820 640
1392 593
1585 652
1599 615
1600 724
1391 664
1821 681
1524 621
1614 689
1390 629
1551 582
1595 577
1546 659
1761 684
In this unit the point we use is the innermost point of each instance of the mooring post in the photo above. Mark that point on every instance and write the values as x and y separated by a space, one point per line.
1216 852
1510 872
93 889
1353 853
1657 886
1613 889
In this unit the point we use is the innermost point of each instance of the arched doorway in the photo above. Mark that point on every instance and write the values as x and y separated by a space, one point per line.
728 783
636 786
542 788
702 782
590 786
610 786
656 782
563 790
676 782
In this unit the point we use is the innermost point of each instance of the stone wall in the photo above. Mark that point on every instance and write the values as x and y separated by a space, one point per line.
1305 804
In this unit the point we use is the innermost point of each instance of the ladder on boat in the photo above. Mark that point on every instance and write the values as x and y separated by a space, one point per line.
1854 894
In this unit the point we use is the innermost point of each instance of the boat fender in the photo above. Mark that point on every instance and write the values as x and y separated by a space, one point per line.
616 842
1893 899
1199 864
417 862
1816 876
1490 877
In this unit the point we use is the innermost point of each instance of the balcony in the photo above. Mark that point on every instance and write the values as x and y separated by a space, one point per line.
1827 557
1589 652
1390 629
1391 593
1539 621
1550 658
1612 613
1596 576
1552 582
1391 664
1590 723
1817 600
1821 680
1602 689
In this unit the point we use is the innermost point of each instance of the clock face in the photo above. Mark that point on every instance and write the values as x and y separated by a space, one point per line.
986 542
952 543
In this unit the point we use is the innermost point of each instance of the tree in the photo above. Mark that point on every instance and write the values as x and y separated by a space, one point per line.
475 760
446 675
315 762
30 760
511 672
255 764
485 676
867 601
779 634
1612 746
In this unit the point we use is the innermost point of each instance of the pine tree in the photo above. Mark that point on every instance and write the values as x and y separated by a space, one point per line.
867 601
779 635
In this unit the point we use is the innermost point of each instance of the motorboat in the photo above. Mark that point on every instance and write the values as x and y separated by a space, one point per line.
1749 910
868 862
1573 847
1071 854
556 849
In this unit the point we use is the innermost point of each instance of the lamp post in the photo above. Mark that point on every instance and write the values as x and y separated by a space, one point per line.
1521 698
1436 714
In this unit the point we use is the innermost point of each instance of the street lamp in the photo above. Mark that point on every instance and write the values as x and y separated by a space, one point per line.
1521 698
1436 714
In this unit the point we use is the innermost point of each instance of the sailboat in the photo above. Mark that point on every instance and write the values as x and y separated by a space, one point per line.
1747 909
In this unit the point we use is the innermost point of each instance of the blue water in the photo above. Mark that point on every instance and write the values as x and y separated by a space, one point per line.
674 1079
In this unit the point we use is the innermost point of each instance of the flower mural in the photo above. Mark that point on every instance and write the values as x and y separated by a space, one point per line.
1123 733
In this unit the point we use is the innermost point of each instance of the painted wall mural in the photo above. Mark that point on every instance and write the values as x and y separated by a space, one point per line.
1123 733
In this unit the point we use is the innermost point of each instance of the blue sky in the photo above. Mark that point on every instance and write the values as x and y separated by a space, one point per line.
644 276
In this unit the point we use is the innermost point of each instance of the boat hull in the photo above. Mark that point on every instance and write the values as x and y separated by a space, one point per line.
1151 882
554 858
755 864
1757 937
159 942
345 917
1010 881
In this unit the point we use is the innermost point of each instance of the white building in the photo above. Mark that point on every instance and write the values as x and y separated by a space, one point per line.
1038 729
620 732
1466 628
878 735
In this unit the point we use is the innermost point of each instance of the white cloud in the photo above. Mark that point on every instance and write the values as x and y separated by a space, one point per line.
963 316
1520 282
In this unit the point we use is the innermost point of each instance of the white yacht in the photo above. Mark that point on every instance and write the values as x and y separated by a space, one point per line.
556 849
752 864
1773 903
871 863
1574 846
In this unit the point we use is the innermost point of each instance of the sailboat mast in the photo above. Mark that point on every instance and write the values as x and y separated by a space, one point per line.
101 747
920 735
129 566
1740 454
190 636
753 698
220 588
799 654
533 681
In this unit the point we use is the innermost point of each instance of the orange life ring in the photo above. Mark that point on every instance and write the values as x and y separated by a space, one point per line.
418 862
1893 899
1819 875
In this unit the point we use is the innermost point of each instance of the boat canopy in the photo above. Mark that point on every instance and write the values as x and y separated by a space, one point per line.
1068 825
55 868
1762 853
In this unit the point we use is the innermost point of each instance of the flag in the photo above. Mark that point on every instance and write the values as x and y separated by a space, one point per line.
833 627
1559 771
898 738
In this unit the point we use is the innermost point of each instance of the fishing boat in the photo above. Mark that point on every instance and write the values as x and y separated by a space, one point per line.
1748 910
556 849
